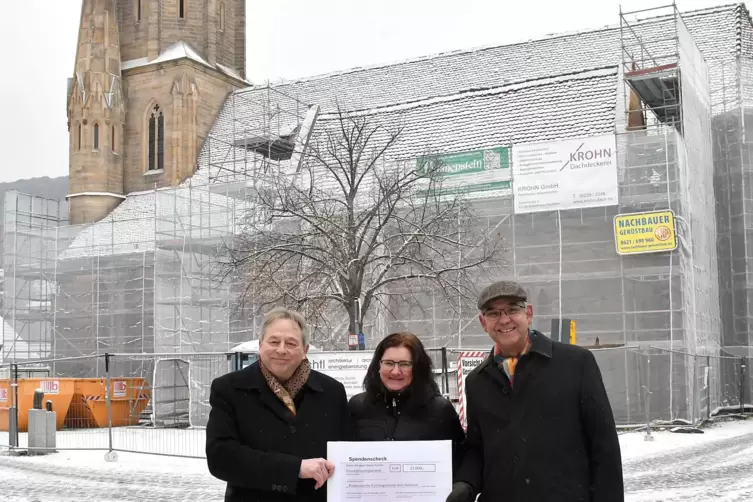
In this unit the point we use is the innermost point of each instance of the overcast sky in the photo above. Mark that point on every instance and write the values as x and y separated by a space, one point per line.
286 39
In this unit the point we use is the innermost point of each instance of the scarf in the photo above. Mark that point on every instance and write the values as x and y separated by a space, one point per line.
287 391
508 364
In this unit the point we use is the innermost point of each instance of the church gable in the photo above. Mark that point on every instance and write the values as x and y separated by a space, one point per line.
188 98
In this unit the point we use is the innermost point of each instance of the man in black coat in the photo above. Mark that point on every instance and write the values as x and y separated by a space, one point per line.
270 423
540 426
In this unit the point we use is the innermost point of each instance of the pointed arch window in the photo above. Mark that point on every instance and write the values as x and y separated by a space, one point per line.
156 147
138 11
78 137
222 16
182 8
113 140
95 137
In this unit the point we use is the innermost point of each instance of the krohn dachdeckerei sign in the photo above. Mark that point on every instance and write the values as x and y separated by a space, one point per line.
566 174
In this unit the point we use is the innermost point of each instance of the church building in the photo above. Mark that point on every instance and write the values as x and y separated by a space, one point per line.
150 77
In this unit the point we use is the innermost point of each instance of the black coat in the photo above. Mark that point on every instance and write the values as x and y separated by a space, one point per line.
421 416
256 445
550 438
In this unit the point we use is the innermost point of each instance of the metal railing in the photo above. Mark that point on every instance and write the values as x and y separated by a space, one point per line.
159 403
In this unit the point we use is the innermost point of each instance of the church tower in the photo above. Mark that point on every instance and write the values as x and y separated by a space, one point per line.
150 78
96 114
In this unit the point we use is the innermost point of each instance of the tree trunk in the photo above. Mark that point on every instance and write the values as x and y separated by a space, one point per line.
352 325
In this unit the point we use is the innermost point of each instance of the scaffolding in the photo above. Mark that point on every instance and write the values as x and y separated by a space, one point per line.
197 303
31 229
668 165
732 105
147 280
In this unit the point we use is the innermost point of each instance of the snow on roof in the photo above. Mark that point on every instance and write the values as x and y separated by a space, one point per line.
164 214
231 72
717 31
130 228
180 50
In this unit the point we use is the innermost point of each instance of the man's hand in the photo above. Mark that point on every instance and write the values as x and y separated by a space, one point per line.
461 492
318 469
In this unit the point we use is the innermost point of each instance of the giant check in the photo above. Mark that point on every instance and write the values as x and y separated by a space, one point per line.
390 470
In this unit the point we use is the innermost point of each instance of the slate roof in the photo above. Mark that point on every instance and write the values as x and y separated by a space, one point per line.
720 32
165 214
130 228
558 87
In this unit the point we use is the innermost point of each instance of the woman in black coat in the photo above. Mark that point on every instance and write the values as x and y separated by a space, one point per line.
402 401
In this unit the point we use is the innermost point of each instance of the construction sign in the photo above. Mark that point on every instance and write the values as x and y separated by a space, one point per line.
119 388
467 362
648 232
50 386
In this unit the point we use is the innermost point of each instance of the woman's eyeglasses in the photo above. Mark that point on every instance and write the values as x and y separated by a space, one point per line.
403 365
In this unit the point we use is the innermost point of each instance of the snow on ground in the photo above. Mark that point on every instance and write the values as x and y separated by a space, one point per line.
634 447
182 442
714 466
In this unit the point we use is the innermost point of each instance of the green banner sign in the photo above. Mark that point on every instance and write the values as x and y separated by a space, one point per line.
470 172
468 162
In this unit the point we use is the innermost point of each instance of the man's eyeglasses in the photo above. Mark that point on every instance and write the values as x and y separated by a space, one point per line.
509 312
389 365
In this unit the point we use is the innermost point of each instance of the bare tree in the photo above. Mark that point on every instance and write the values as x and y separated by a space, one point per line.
353 225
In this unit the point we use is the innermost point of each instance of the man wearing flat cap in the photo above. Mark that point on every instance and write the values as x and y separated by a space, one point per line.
540 426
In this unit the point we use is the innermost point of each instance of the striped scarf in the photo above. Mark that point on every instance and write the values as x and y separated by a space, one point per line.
508 364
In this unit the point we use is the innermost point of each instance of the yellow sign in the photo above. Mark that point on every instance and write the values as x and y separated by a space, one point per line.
572 332
649 232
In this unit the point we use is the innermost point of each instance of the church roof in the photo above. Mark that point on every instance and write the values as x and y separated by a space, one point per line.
718 31
557 87
180 50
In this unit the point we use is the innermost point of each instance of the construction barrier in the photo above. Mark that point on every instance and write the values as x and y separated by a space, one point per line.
80 403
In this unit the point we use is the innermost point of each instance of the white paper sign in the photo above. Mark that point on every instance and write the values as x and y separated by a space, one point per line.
567 174
348 368
376 471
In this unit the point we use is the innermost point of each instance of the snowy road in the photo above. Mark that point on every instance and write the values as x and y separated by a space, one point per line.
85 476
715 466
716 470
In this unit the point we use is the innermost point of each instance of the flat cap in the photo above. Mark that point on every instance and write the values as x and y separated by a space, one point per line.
500 289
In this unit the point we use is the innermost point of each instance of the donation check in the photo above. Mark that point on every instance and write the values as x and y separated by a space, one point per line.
390 470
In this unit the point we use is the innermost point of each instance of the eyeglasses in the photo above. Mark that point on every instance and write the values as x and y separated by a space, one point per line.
509 312
403 365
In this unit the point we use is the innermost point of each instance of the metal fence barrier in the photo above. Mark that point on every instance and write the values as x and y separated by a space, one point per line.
143 403
159 403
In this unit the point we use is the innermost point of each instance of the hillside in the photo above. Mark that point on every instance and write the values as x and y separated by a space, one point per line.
54 188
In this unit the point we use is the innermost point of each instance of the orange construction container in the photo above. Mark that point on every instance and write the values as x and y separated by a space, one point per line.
80 403
57 390
129 397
